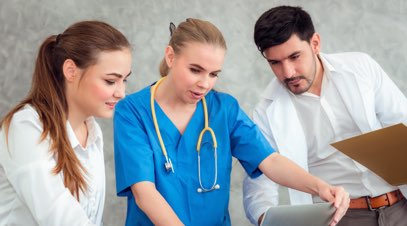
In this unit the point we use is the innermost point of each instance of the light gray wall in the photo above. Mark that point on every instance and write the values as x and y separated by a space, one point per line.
376 27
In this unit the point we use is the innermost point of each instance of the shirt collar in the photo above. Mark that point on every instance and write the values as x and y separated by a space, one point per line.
328 67
94 133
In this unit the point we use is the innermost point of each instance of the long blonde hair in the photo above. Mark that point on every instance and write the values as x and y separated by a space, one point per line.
81 42
192 30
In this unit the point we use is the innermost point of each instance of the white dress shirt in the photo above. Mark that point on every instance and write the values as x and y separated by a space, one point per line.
325 120
30 193
372 101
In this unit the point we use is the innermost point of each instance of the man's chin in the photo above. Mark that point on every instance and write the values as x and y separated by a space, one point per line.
297 90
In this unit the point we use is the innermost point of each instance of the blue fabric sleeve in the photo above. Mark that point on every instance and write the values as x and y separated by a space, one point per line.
248 144
132 152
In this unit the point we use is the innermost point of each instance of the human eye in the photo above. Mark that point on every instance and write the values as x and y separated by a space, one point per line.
110 81
214 74
125 79
273 62
295 57
195 70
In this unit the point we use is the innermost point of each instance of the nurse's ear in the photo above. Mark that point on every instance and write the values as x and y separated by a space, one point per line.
169 56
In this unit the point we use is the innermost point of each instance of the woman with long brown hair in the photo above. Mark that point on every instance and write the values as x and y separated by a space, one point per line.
51 147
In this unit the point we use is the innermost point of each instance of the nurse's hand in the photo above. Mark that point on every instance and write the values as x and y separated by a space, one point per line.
285 172
336 195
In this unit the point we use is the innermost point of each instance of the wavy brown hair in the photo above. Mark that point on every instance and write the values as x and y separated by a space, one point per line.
82 42
192 30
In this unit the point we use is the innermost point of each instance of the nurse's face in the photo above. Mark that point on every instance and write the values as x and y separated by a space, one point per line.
294 62
194 70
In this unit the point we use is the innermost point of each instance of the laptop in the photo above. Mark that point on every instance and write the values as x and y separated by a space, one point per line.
319 214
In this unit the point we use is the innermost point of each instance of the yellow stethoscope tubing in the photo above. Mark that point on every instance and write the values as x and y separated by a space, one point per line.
157 129
205 129
198 148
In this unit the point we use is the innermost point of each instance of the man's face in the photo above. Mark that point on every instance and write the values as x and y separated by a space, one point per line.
294 62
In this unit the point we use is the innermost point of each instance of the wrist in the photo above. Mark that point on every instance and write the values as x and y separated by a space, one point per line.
321 186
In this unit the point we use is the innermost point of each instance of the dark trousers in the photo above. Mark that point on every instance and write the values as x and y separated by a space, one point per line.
395 215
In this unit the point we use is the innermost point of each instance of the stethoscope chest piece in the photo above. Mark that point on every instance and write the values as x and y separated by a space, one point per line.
168 166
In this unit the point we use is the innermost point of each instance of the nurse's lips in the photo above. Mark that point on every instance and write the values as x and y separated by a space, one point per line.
197 95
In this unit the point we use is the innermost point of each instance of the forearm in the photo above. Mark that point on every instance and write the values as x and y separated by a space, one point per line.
154 205
285 172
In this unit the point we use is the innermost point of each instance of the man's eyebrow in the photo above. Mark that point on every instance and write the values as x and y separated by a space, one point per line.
289 56
294 53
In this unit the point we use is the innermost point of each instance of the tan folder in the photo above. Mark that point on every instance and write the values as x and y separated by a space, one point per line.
383 151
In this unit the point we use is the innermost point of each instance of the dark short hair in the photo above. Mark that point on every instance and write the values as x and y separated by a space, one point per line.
277 25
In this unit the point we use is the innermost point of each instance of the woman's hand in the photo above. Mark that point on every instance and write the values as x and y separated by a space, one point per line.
336 195
285 172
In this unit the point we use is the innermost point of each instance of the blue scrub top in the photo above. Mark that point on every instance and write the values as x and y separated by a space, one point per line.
138 156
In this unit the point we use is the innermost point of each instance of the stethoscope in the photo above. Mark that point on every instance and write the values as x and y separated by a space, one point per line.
168 164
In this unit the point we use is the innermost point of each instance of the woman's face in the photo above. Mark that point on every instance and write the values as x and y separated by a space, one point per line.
100 86
194 70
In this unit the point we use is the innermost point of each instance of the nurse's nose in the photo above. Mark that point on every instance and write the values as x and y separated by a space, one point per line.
204 82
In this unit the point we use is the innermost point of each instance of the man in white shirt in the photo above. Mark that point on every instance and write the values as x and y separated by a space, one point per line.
315 100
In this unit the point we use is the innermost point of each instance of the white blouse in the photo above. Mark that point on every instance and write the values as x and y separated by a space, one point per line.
30 193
